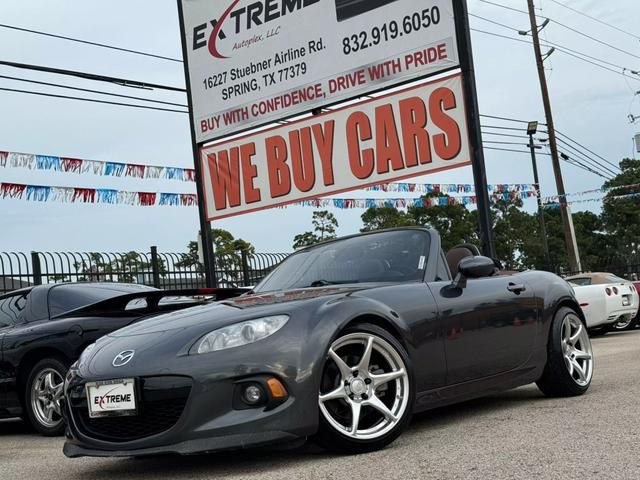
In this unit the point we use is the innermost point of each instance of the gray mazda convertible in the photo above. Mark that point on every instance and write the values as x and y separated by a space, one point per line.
341 343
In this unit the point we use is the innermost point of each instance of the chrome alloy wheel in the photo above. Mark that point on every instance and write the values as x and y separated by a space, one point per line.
46 393
622 323
365 387
576 348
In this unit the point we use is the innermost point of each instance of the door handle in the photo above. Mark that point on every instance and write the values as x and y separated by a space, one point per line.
517 289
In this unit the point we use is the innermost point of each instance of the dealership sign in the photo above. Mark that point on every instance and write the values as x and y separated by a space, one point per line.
252 62
412 132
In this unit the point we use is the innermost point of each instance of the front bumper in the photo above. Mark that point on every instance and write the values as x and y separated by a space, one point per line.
209 419
230 442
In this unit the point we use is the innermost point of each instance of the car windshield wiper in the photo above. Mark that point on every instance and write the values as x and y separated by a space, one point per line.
324 283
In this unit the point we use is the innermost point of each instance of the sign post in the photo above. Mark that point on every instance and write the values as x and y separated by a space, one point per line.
475 131
208 257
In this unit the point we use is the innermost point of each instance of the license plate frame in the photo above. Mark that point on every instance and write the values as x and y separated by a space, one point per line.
121 386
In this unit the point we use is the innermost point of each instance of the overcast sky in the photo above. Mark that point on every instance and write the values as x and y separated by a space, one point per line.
590 105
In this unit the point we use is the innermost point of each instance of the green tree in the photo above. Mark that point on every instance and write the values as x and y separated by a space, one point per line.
383 218
125 267
621 216
324 224
455 223
228 251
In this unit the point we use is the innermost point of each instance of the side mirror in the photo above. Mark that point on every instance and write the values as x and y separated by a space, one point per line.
473 267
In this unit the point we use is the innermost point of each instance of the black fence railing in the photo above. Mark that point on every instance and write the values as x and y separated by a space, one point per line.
157 269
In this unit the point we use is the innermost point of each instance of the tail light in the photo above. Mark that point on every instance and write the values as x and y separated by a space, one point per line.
615 290
608 290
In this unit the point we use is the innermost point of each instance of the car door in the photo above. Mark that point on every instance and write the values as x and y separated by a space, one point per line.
11 307
489 326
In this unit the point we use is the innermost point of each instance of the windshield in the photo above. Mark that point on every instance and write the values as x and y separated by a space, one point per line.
397 256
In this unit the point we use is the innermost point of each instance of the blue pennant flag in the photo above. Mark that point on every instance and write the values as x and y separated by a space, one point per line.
38 193
104 195
172 173
112 169
46 162
172 199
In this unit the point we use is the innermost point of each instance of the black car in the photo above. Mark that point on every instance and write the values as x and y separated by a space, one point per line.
346 9
44 329
343 341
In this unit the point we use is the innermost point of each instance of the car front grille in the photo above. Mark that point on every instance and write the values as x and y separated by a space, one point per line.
160 402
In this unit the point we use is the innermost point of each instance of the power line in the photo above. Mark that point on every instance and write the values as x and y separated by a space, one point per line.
92 76
86 42
502 128
585 158
587 149
549 44
596 39
494 22
576 163
596 19
92 100
88 90
506 119
569 160
507 8
562 25
494 142
514 151
566 51
505 135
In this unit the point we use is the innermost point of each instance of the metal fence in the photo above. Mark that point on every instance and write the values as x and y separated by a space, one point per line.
160 270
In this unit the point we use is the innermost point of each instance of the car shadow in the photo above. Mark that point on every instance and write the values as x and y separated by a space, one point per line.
245 463
14 427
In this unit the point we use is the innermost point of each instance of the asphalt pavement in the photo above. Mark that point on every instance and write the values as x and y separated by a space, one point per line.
514 435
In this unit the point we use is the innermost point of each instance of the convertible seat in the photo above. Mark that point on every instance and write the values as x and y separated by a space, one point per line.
455 255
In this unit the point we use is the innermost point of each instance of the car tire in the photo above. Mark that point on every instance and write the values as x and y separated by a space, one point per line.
43 392
623 326
376 386
569 368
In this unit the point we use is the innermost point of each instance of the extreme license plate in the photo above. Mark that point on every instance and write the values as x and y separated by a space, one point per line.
112 398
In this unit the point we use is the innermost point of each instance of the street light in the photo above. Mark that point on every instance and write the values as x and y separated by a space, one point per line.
532 129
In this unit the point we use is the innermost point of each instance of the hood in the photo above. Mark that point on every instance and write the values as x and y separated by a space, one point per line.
220 314
171 334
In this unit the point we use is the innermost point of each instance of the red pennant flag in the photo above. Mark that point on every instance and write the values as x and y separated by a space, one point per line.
84 195
12 190
72 165
147 199
136 171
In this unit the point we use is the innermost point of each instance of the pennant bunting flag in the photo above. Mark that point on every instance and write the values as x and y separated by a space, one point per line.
94 167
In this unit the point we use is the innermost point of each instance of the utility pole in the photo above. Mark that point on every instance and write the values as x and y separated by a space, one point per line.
567 220
532 129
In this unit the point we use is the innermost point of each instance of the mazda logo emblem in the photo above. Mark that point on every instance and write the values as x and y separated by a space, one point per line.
123 358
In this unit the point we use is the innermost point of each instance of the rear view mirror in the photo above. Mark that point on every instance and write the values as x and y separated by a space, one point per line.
476 267
473 267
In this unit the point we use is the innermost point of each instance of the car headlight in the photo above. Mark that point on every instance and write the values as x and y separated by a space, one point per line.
239 334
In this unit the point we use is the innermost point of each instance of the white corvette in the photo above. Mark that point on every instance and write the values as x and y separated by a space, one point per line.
607 300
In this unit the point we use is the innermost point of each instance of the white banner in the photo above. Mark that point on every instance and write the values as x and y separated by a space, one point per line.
412 132
252 62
